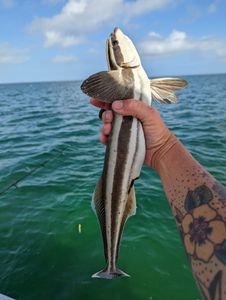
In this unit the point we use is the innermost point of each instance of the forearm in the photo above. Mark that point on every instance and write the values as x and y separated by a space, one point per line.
198 203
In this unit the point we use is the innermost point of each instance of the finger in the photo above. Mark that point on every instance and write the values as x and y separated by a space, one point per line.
106 128
99 103
135 108
107 116
103 139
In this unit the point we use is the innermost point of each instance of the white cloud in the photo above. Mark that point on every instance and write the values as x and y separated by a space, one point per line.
54 38
12 55
63 59
78 17
178 42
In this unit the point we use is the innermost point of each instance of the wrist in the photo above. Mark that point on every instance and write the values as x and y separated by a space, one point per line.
162 152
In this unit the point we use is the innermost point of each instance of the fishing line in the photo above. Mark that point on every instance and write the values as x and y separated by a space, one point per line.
39 166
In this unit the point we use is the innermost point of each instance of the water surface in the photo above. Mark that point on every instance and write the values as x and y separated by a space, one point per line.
50 160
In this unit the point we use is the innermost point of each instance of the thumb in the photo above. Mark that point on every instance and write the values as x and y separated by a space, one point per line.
135 108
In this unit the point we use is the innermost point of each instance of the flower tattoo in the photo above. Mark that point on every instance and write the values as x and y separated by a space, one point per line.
202 231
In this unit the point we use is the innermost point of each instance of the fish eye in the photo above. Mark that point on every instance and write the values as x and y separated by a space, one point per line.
115 43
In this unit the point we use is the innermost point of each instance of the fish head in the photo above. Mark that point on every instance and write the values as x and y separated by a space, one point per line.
121 52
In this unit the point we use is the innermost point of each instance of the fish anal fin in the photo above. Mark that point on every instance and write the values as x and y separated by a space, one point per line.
109 86
98 206
163 89
130 210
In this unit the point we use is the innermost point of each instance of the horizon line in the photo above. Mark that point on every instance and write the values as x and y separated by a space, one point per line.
73 80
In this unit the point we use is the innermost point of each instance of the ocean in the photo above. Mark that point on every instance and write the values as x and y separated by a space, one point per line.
50 161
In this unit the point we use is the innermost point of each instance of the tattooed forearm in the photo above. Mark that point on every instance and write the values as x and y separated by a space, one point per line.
198 202
204 235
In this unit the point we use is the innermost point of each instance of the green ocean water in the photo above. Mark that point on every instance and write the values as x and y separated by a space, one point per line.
50 160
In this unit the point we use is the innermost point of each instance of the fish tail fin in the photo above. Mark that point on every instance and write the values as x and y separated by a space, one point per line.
105 274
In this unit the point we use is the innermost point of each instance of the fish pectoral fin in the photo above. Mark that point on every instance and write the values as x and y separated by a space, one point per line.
163 89
109 86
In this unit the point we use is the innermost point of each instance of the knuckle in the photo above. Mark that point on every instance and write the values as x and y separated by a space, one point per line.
131 105
107 116
149 110
155 113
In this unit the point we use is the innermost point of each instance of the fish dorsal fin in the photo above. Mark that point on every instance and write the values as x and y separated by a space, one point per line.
163 89
98 207
109 86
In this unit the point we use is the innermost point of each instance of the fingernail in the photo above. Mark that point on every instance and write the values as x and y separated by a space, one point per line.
118 104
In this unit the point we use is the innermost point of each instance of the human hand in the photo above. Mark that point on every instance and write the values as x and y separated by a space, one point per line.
157 135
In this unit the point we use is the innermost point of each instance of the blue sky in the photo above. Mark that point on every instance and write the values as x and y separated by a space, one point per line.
65 39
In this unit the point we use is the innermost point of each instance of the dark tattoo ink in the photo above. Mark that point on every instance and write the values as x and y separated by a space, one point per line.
220 252
179 216
214 291
200 195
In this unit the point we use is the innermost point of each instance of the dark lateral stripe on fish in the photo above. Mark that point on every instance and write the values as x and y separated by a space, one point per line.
105 193
120 168
104 197
124 137
130 186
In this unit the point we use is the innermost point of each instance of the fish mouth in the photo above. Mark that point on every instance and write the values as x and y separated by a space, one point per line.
115 35
113 50
115 56
109 55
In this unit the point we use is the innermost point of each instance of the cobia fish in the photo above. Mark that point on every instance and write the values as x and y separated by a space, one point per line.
114 196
